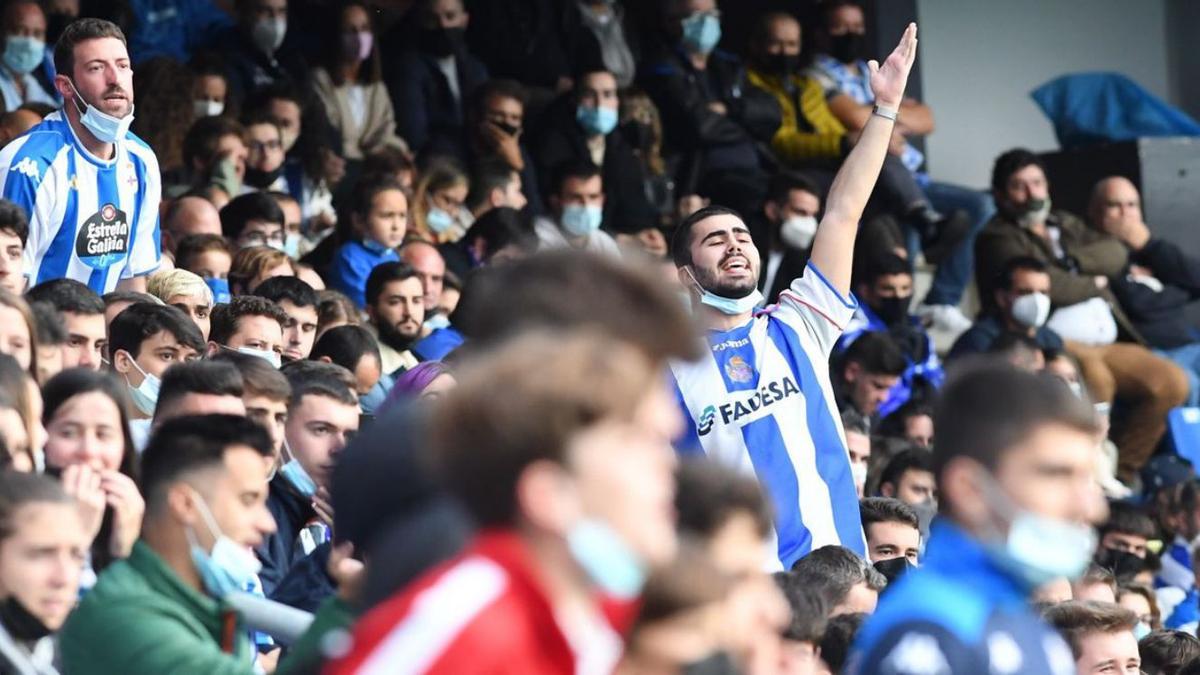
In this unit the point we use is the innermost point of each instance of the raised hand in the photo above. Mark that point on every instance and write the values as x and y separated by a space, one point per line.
83 483
128 507
888 81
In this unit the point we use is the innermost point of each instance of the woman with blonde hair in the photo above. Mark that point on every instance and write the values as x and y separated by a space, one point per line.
186 291
439 207
255 264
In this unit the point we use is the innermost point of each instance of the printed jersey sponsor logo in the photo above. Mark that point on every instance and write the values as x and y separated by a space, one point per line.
750 404
103 239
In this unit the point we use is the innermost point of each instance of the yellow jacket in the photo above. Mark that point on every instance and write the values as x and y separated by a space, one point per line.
814 133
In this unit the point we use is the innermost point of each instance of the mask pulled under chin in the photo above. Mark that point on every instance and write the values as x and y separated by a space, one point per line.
728 306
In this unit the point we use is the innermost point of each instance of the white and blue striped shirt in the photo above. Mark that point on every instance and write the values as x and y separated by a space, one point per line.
762 402
91 220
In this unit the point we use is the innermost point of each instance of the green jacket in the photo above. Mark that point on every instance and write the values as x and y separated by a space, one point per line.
141 618
306 656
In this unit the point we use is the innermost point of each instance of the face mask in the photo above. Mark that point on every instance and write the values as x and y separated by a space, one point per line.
507 128
438 220
20 622
797 232
224 176
606 559
257 178
728 306
893 311
638 134
783 64
1035 211
298 477
847 47
580 221
106 128
22 54
291 245
1036 549
701 33
268 34
229 567
894 569
858 471
1122 563
1031 310
220 290
375 246
597 120
270 356
443 42
289 140
145 395
1140 630
358 45
437 321
206 108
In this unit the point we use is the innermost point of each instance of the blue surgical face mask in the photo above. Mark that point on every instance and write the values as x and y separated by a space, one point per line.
701 33
438 220
580 221
269 355
596 120
145 395
105 127
220 290
22 53
297 476
291 245
606 558
375 246
1140 630
724 305
229 567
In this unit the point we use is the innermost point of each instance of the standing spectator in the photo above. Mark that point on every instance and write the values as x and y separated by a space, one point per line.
576 211
99 225
350 87
433 78
174 28
83 313
24 27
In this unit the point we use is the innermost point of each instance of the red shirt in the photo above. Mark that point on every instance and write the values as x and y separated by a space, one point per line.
483 612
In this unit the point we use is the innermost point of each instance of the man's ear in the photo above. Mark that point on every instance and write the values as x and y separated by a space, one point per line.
851 371
544 499
63 85
771 210
324 359
213 349
121 361
181 505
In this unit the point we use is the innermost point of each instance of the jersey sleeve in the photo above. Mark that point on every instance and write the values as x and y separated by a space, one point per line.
146 251
917 648
813 305
28 180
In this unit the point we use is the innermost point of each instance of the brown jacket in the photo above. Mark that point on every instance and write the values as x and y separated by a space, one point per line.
1088 254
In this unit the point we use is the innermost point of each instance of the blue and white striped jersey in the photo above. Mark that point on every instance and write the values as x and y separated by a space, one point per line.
762 402
91 220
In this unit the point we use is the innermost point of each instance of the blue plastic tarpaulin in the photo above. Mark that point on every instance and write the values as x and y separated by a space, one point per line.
1089 108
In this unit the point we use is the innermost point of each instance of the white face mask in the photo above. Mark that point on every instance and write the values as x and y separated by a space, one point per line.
206 108
1031 309
797 232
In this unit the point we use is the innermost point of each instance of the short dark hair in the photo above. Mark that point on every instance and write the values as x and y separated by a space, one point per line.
251 206
487 175
839 636
81 30
496 89
877 353
371 185
315 378
18 489
987 407
884 265
13 220
194 245
1010 163
384 274
292 289
784 183
1076 619
578 169
854 422
204 136
834 570
214 378
49 324
1128 518
194 443
346 346
707 495
809 609
912 459
67 295
1023 263
141 321
224 318
501 227
681 239
893 424
887 510
259 378
134 297
1165 652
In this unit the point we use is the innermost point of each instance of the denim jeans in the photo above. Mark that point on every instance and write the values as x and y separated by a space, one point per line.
1187 357
955 272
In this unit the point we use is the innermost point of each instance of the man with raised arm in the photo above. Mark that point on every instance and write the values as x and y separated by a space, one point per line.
762 400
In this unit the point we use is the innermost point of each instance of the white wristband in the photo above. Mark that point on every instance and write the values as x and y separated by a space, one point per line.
886 113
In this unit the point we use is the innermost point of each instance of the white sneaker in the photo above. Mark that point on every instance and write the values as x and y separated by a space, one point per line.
944 318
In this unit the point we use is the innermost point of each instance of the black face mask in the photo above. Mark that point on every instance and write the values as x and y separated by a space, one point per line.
443 42
20 623
848 47
893 311
507 128
639 135
782 64
1122 563
894 569
257 178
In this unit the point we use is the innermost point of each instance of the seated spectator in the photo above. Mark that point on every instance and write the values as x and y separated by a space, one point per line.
885 290
118 301
432 78
14 229
843 72
18 332
1139 598
294 243
867 372
1158 283
255 264
41 555
1100 635
1166 652
16 122
593 34
497 236
333 310
250 325
1176 581
785 230
164 124
849 584
209 89
209 257
807 627
1079 261
1021 306
265 394
254 52
83 313
299 302
253 219
893 534
839 636
176 28
1097 584
858 443
396 308
1124 538
380 219
709 110
186 292
429 380
187 216
195 387
24 26
264 153
912 422
214 156
51 341
22 435
576 211
439 205
160 610
585 456
430 266
581 129
494 184
522 40
355 349
495 121
143 342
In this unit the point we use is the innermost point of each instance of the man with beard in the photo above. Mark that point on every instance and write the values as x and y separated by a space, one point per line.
396 307
762 399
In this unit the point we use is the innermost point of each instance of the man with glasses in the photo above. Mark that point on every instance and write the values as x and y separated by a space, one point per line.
253 219
264 157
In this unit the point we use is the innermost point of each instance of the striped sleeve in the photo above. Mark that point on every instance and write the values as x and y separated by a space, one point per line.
813 305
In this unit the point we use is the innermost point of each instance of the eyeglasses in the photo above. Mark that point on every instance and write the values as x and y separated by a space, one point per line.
260 238
263 146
